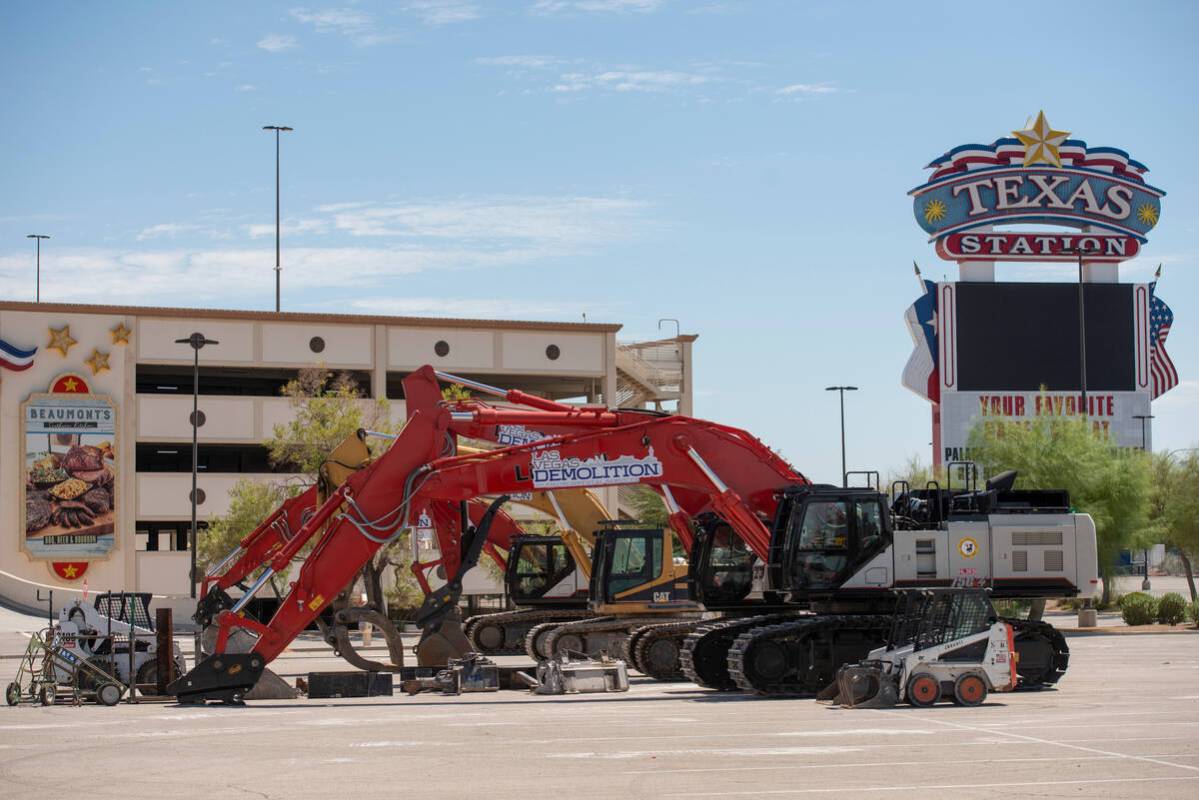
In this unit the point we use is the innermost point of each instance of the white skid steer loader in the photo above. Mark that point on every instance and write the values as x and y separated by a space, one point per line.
100 634
944 643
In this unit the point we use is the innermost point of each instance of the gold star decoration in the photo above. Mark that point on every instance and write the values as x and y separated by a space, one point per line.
1041 142
70 570
97 361
1147 214
60 340
71 385
121 334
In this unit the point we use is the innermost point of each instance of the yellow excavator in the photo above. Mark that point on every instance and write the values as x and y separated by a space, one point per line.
587 588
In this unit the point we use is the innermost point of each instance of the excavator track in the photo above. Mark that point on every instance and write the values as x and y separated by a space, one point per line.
704 656
595 636
801 656
536 640
503 633
654 650
1044 654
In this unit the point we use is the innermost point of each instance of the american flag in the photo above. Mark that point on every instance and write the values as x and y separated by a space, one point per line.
1165 377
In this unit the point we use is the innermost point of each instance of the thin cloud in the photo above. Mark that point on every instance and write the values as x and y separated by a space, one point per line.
808 89
560 221
526 61
337 20
289 228
398 239
596 6
629 81
166 230
443 12
277 43
359 27
481 308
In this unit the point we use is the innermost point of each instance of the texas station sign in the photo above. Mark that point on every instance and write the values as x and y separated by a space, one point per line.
1036 177
998 353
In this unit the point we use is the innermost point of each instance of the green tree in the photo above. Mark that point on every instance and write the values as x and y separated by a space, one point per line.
1110 484
916 473
648 506
1174 508
250 503
326 408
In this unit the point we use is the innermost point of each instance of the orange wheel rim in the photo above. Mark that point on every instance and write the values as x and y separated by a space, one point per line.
925 689
972 688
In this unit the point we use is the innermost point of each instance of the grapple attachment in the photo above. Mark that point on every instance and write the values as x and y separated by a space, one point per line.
865 685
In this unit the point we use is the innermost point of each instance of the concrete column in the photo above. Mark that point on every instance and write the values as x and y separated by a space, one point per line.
127 465
686 389
379 359
609 386
1104 272
980 271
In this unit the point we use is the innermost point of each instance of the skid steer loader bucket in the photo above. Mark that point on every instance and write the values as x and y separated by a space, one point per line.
864 685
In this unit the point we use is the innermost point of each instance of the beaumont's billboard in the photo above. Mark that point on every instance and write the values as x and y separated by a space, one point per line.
70 476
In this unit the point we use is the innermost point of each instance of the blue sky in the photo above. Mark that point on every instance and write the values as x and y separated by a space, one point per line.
740 166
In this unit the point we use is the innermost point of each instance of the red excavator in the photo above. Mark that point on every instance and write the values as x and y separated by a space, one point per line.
821 553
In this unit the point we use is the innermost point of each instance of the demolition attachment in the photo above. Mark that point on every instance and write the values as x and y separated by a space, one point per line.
226 677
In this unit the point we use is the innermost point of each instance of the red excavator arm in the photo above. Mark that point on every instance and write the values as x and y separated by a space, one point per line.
701 465
252 552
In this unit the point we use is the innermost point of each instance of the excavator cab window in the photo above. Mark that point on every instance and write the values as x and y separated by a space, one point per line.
539 565
820 530
726 567
870 525
626 561
635 560
830 537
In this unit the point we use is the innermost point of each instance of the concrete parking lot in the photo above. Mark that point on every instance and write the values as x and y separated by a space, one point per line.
1122 724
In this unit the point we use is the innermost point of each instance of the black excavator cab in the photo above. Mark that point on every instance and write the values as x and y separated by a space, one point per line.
539 565
721 572
824 534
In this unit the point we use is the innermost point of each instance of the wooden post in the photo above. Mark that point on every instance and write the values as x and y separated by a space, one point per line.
164 630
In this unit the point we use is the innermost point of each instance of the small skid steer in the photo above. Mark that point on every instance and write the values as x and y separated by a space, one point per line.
944 643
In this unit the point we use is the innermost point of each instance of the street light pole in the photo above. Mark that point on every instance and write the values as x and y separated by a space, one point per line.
1082 324
842 390
38 237
1143 418
196 341
278 129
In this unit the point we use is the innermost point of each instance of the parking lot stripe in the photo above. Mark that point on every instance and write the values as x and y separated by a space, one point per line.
906 763
1037 740
924 786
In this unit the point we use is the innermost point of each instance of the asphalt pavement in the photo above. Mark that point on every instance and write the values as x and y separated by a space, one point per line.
1122 724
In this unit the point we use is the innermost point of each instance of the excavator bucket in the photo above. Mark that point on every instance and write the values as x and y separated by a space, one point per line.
437 647
863 686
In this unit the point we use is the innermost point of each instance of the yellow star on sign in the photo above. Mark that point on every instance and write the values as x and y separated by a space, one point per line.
1041 142
70 571
97 361
71 385
60 340
121 334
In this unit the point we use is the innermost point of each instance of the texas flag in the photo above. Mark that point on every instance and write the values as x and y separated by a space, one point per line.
921 375
15 358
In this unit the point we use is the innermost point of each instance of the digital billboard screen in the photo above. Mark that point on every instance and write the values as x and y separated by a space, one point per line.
1024 336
